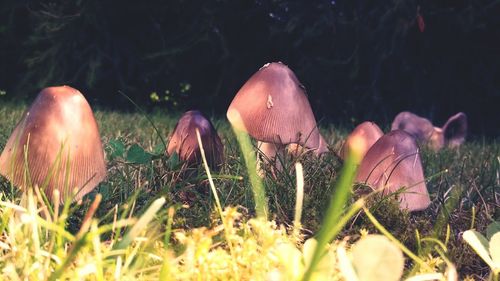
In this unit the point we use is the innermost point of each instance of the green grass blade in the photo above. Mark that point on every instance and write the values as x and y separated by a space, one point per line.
331 225
258 189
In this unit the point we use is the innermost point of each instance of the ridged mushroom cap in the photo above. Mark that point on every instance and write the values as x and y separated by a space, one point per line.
394 162
272 107
421 128
183 140
63 145
368 132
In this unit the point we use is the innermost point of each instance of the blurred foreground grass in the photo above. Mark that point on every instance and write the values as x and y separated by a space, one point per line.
183 237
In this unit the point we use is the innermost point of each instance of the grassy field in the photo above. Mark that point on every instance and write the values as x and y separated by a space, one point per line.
128 237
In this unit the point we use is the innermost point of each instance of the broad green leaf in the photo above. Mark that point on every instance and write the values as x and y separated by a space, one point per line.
493 228
480 245
495 249
137 155
375 257
173 161
117 148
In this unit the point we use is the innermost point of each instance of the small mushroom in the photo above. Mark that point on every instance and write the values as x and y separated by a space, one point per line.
61 139
452 134
185 143
455 130
273 108
392 163
368 132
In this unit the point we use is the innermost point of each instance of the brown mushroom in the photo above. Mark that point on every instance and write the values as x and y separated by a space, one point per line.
393 163
367 131
273 108
183 140
452 134
61 139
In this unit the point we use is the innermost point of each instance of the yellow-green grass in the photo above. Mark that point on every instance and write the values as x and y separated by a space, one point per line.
466 181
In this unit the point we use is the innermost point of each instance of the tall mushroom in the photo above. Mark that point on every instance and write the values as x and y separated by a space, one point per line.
368 132
392 163
183 140
273 108
60 138
452 134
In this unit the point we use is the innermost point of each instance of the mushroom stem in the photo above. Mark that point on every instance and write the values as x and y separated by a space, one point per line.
272 153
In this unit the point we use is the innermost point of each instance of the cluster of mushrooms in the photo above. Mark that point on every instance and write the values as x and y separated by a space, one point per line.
56 145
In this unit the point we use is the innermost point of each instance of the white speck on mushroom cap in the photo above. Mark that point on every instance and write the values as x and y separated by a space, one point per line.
272 107
269 102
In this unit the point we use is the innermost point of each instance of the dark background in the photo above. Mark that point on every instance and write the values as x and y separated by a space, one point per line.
358 59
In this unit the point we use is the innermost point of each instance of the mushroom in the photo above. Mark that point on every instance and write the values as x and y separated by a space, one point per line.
184 142
452 134
296 149
368 132
392 163
272 107
60 138
455 130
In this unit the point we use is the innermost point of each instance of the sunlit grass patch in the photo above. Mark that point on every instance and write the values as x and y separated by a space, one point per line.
198 244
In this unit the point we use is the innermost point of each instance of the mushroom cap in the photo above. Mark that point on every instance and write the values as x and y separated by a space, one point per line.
455 130
272 106
64 149
394 162
183 140
367 131
421 128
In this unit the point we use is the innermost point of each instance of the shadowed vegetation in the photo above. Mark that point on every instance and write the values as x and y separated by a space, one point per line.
463 185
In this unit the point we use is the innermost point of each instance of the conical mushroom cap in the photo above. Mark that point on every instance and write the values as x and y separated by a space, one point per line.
64 149
184 142
272 107
394 162
367 131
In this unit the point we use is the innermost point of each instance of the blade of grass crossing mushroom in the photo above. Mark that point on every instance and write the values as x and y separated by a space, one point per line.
255 181
334 221
217 201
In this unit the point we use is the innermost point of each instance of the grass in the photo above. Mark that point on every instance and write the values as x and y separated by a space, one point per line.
463 184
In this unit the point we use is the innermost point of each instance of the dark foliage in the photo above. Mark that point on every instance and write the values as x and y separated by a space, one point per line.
359 59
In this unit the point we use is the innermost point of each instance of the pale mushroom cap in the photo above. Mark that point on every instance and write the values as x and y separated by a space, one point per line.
63 134
368 132
394 162
183 140
272 106
421 128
